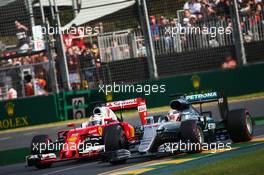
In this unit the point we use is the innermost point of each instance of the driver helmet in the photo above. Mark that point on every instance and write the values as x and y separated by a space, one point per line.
96 120
174 115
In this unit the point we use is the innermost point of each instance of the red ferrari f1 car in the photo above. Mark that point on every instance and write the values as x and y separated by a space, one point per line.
85 141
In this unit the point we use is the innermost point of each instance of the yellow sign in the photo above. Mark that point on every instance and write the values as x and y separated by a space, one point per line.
11 121
14 122
10 109
109 97
196 81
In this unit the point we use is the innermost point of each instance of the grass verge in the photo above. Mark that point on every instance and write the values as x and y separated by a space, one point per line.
14 156
245 164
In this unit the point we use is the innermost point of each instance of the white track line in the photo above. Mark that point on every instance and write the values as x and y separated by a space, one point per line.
29 133
70 168
5 138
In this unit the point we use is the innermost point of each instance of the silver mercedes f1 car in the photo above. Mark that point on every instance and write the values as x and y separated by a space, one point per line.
185 124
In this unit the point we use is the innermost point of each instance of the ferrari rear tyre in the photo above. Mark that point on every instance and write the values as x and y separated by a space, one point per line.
114 139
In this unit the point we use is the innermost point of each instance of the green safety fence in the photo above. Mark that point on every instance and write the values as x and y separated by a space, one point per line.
46 109
78 104
28 111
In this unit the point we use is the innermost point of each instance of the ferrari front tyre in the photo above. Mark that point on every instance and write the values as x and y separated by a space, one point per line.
40 145
240 125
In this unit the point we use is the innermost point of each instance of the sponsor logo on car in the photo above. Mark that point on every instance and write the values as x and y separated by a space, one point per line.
122 103
200 97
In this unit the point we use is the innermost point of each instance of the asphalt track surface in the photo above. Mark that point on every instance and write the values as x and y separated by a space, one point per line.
23 138
86 167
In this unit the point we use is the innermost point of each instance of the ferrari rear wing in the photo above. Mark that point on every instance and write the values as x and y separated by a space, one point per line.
138 103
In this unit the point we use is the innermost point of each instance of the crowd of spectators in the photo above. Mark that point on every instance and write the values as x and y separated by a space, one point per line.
208 13
25 67
34 74
220 8
81 53
14 60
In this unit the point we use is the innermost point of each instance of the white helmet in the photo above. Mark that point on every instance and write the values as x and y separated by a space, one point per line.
96 120
173 115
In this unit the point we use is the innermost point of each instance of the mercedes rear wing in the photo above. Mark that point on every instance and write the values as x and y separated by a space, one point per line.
203 97
210 97
138 103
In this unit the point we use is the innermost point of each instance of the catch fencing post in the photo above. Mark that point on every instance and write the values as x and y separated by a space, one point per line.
65 71
53 74
239 43
152 65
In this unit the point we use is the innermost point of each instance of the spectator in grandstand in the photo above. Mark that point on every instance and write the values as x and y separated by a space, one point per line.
87 58
247 6
193 6
95 51
230 62
193 20
29 88
207 9
23 41
68 40
154 27
186 15
87 63
40 83
141 49
251 23
78 39
16 61
25 60
223 8
163 21
11 94
164 24
9 62
189 19
74 68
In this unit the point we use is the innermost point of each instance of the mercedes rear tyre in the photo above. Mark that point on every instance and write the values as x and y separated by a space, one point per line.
240 125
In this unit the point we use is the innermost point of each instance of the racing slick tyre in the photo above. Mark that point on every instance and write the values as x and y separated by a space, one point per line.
114 139
36 144
192 135
240 125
